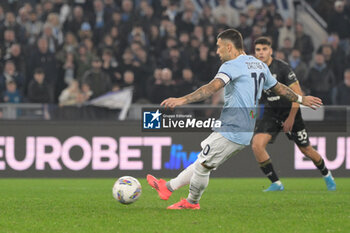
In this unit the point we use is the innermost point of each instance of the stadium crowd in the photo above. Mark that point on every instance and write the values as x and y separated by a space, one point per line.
71 51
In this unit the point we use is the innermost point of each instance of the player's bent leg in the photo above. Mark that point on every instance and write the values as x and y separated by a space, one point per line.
259 143
182 179
160 186
216 150
311 153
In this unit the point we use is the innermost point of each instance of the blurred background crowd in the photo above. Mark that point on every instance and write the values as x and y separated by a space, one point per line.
67 52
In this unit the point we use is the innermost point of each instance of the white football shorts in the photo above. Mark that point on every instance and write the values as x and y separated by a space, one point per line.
216 149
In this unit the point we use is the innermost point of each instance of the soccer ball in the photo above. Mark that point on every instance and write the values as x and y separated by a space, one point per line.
127 190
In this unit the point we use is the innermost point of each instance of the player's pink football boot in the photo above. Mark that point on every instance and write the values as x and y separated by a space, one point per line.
160 186
184 204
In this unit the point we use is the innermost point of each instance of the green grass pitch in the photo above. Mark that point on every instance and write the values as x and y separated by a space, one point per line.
228 205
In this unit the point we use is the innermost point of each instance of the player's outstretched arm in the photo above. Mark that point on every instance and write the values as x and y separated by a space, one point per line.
310 101
198 95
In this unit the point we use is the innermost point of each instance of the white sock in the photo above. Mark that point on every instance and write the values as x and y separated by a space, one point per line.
278 182
199 182
182 179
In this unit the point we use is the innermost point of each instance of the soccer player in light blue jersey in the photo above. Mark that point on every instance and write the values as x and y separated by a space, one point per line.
243 77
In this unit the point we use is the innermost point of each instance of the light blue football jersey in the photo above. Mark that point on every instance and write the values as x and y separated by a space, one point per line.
245 78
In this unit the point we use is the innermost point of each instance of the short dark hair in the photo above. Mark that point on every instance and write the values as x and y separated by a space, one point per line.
263 40
234 36
39 70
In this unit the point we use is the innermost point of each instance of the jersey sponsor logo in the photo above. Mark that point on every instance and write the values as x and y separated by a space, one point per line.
273 98
291 76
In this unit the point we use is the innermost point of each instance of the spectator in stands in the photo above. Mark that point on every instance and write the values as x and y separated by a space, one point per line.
299 67
128 62
98 81
83 60
44 59
129 81
154 47
163 88
206 18
188 14
47 9
2 15
47 33
9 40
243 27
74 23
202 66
86 93
273 30
62 8
287 47
341 93
278 54
105 44
12 95
210 38
109 63
271 16
116 21
148 18
224 8
10 74
33 27
17 56
287 31
174 63
171 10
251 13
333 62
69 68
249 41
303 42
320 80
184 43
54 21
40 91
198 32
339 23
98 20
188 83
169 43
109 7
89 44
185 24
23 16
144 63
85 31
128 15
338 57
137 34
11 24
70 95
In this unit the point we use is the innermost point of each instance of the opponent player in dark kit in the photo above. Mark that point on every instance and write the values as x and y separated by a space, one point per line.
280 114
